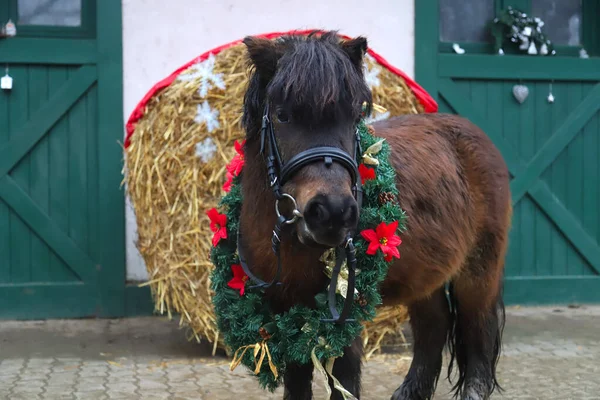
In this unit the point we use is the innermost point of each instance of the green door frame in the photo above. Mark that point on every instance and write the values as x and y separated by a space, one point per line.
101 63
111 282
434 70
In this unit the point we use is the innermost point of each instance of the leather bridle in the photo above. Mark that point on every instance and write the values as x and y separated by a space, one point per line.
278 174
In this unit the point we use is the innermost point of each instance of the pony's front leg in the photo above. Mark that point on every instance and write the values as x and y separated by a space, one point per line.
347 370
298 382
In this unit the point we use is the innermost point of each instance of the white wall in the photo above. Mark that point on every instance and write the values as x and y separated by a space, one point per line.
159 36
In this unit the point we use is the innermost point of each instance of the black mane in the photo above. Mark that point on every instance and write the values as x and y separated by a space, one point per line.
315 79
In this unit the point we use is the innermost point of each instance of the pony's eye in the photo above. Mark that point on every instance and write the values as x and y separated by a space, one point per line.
282 117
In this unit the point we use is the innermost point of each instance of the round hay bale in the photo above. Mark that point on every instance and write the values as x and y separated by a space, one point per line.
179 139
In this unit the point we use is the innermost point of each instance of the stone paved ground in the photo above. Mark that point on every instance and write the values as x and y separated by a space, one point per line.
549 354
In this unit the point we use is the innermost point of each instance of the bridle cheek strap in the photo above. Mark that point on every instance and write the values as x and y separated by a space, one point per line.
278 174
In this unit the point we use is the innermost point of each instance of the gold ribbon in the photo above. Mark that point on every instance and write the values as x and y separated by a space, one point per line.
321 370
336 384
328 372
368 156
328 258
262 349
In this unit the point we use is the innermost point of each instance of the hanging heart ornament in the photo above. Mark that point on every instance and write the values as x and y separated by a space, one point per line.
520 92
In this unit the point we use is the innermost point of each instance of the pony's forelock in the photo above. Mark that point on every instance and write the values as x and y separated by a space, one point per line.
316 78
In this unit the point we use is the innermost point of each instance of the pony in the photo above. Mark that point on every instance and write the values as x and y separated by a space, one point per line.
453 184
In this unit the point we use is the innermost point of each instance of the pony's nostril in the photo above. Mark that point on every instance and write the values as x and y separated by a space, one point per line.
350 215
317 213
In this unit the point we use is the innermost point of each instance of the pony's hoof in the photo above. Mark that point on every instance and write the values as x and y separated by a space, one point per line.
405 392
473 395
476 390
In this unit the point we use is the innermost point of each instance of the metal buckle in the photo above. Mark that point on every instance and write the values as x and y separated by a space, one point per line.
297 214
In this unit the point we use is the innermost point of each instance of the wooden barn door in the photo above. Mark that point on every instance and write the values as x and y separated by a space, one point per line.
552 148
61 208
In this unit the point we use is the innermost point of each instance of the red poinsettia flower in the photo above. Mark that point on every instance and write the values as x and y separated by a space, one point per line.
218 224
383 237
228 182
237 163
366 173
238 282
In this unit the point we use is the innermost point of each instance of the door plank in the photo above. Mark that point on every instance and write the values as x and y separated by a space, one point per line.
55 300
544 231
567 223
508 67
558 183
57 174
39 123
38 179
551 290
574 199
557 143
19 233
47 51
525 129
39 222
5 251
77 173
591 183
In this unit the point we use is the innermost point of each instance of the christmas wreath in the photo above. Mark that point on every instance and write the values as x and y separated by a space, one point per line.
266 342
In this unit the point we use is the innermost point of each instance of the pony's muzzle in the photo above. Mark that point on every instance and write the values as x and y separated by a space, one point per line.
330 217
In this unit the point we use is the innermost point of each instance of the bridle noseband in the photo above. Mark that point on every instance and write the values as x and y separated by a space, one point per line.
278 174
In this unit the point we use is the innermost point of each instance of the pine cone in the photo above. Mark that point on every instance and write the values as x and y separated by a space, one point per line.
370 130
362 301
264 333
387 197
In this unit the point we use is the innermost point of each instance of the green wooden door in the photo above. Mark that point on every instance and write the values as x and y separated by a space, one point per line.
552 149
61 208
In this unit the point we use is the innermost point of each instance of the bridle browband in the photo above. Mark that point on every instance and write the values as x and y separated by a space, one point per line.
278 174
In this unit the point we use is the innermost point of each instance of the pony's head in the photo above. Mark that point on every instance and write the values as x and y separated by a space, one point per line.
312 90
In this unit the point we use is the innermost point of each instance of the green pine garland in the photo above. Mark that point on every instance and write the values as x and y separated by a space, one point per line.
292 335
514 30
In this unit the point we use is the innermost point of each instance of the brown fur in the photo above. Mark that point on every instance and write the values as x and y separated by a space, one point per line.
453 184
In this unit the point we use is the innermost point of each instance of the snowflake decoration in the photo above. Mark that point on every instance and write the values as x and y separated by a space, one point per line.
207 115
206 149
208 78
371 76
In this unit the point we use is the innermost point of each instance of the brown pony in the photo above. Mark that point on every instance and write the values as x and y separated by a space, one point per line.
453 184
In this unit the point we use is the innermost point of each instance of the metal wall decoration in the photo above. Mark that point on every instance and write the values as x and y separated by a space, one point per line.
521 92
550 95
8 30
6 82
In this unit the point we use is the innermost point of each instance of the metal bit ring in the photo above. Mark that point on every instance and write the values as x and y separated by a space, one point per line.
296 213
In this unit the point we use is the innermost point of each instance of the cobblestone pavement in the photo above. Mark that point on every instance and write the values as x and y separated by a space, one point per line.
548 354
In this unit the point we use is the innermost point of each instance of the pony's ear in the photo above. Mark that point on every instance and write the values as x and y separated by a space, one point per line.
264 54
356 49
